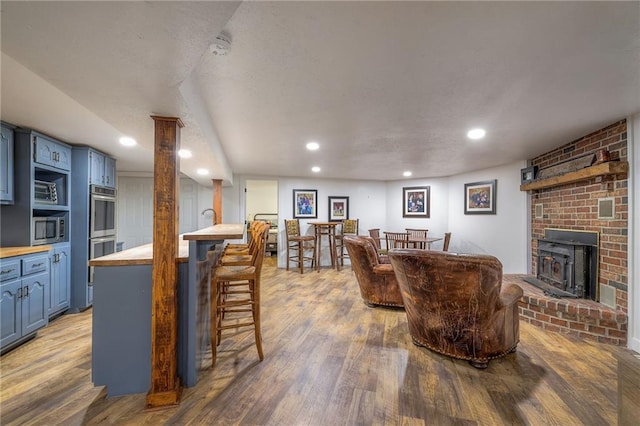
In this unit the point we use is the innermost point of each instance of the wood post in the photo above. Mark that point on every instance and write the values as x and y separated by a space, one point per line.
217 200
165 385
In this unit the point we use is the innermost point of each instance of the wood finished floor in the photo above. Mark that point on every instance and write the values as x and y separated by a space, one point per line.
329 360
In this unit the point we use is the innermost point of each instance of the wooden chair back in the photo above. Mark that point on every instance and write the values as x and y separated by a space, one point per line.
375 234
397 239
447 240
350 227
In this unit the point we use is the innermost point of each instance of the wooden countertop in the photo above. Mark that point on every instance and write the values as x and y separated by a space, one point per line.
19 251
143 255
222 231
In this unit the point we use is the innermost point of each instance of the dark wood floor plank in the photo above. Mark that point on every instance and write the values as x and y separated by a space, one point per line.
329 360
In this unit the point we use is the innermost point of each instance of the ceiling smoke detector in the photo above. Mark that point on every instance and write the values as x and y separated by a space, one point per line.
221 45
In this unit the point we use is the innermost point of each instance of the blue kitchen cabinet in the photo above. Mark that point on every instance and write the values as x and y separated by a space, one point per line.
6 165
24 297
52 153
102 169
60 294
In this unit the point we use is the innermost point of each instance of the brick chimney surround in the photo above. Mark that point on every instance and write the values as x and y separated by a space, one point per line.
575 206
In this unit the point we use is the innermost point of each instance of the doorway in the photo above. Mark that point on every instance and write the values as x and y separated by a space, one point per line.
261 203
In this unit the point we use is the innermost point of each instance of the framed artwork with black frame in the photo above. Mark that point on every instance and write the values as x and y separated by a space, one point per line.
338 208
305 203
416 201
480 197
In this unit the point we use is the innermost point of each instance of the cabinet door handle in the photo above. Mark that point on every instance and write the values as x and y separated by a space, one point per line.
6 271
25 292
20 293
35 265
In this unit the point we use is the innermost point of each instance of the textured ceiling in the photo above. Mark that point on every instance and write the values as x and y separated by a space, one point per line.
382 86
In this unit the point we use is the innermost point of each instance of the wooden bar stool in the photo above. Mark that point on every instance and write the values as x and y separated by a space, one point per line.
298 245
235 292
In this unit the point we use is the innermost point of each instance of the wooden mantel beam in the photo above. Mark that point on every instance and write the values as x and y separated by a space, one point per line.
165 387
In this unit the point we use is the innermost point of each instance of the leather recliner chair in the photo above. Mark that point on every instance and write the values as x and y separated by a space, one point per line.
456 304
377 281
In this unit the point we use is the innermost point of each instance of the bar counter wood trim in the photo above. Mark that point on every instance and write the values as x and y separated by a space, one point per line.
165 387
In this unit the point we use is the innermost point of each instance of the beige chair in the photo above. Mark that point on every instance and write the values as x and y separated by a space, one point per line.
456 304
349 227
235 298
396 239
298 246
447 240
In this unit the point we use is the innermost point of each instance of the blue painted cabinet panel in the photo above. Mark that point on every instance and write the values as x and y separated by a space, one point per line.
35 302
102 170
10 311
24 297
52 153
6 166
60 294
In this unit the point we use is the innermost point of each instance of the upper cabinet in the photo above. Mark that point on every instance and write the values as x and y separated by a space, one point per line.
42 191
102 169
52 153
6 165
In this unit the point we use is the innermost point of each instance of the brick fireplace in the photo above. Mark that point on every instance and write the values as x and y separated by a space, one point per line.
594 204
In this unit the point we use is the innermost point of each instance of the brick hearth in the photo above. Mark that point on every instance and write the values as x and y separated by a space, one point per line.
581 318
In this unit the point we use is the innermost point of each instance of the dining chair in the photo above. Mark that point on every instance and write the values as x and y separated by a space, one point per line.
235 292
375 235
349 227
418 234
298 245
447 240
396 239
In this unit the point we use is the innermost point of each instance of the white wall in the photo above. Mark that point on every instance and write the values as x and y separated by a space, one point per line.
379 205
503 235
437 223
261 197
135 208
367 202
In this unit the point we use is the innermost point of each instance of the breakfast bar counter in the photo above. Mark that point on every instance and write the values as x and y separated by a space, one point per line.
121 357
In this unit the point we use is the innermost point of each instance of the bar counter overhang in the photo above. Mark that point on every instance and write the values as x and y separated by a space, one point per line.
121 354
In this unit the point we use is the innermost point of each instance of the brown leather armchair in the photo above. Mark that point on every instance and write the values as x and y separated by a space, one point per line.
377 281
455 304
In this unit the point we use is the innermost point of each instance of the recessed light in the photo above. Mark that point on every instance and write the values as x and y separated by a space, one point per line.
313 146
406 174
315 169
127 141
185 153
476 133
202 172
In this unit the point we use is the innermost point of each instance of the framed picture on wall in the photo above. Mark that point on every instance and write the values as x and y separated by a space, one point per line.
338 208
480 197
305 203
415 201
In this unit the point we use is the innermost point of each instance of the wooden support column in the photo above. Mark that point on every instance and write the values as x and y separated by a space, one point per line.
217 200
165 385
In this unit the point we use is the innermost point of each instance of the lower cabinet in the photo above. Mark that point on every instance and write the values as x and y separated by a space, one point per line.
60 294
24 298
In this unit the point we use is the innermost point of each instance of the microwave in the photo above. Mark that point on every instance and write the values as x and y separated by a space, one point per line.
49 229
45 192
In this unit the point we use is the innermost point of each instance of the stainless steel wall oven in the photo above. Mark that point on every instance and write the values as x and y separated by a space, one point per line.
103 212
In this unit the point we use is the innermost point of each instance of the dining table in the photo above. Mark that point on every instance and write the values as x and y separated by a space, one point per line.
326 229
423 242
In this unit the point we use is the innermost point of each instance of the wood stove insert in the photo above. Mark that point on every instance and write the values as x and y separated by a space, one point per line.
568 261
